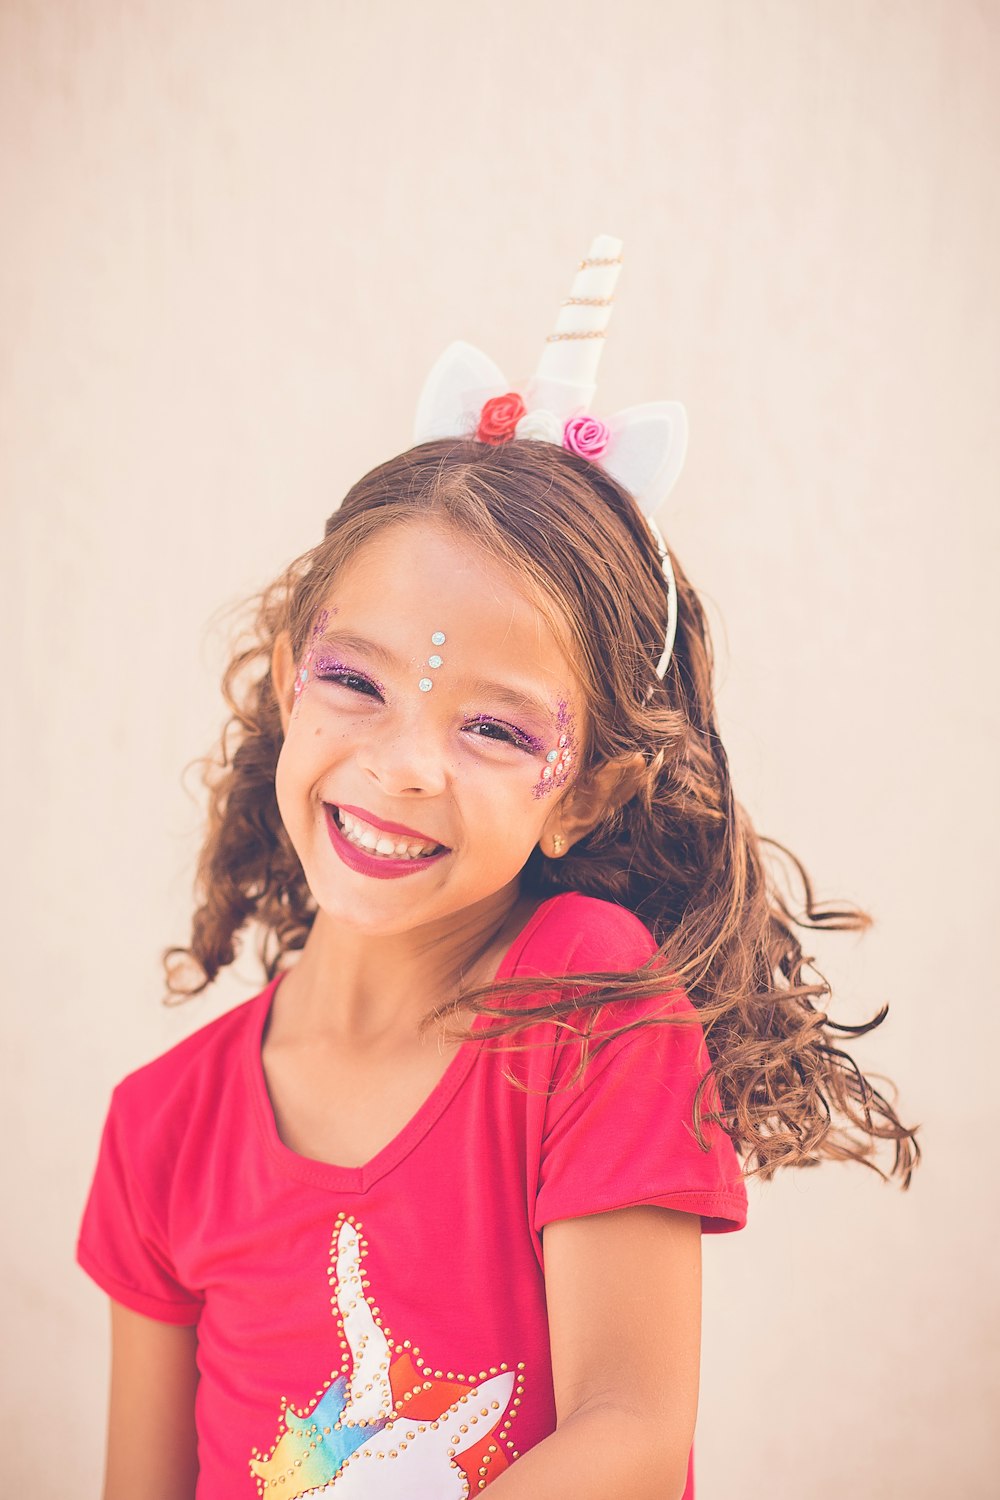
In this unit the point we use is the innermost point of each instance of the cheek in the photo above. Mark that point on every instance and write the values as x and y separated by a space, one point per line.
501 841
281 784
501 813
303 753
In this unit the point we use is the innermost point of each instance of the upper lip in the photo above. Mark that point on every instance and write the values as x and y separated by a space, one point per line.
385 825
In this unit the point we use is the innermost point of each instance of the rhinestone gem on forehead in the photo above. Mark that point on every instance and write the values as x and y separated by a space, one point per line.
437 639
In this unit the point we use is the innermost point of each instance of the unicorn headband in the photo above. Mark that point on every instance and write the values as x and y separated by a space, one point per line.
641 447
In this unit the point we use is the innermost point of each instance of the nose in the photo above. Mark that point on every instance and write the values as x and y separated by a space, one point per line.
407 759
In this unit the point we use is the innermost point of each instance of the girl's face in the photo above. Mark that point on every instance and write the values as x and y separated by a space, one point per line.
431 732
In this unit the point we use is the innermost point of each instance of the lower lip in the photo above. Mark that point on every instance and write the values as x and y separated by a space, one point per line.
371 864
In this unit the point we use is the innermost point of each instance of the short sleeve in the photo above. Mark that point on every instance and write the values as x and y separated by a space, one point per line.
625 1134
121 1243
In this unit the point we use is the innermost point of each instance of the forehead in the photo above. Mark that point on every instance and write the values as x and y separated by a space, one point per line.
418 579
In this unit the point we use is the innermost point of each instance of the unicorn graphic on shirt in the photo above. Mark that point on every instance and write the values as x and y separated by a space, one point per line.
389 1427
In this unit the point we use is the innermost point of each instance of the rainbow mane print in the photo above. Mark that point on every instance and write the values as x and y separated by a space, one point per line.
388 1427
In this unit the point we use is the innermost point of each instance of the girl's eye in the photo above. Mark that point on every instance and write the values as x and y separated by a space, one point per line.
504 734
344 677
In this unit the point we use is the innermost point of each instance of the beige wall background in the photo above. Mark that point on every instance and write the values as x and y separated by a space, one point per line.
236 234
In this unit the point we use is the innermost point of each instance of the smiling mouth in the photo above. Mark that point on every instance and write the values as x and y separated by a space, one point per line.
379 844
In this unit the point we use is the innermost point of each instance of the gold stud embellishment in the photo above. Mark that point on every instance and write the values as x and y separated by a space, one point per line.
577 333
365 1402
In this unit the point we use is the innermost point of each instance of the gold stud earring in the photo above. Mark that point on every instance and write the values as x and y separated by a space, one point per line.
557 843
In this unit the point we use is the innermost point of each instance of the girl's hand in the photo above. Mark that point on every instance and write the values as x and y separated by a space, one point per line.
152 1449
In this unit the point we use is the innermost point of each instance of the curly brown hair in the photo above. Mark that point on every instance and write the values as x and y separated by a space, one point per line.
681 853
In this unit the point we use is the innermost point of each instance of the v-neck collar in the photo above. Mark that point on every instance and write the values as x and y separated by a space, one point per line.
323 1174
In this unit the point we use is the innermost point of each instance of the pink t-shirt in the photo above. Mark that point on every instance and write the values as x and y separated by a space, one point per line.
380 1331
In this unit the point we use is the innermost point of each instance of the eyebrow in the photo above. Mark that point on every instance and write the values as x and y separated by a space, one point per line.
337 639
512 697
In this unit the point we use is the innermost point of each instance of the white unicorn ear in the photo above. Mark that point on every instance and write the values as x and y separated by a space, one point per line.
646 450
458 383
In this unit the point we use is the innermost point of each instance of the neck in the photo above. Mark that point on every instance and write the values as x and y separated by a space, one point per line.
365 989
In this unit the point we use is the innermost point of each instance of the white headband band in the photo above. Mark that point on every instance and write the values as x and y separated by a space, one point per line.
641 447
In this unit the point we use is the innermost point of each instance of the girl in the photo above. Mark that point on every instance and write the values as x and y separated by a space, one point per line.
423 1216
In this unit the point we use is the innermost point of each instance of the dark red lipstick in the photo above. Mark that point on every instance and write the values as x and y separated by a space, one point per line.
379 866
386 826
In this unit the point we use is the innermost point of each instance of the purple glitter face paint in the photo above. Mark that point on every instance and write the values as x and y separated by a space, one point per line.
519 737
326 669
302 675
559 761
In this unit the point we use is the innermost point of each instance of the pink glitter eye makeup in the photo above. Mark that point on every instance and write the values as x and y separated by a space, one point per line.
329 670
510 734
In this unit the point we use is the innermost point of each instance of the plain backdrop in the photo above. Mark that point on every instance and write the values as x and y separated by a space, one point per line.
235 236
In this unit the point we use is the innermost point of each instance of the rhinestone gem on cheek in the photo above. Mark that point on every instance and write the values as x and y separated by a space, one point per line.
558 761
302 675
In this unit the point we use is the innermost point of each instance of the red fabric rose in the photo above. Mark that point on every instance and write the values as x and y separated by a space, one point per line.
498 418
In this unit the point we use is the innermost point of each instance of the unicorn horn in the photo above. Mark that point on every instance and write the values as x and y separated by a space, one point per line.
566 378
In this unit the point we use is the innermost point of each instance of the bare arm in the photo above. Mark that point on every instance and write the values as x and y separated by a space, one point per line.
152 1451
624 1305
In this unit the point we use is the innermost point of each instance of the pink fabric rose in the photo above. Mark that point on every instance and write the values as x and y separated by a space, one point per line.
586 436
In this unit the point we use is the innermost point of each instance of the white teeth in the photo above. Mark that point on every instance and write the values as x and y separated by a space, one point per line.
377 841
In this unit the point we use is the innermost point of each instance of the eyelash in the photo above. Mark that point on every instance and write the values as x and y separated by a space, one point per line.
514 735
344 676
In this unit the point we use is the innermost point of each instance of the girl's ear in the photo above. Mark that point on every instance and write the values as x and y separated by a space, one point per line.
588 800
283 676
